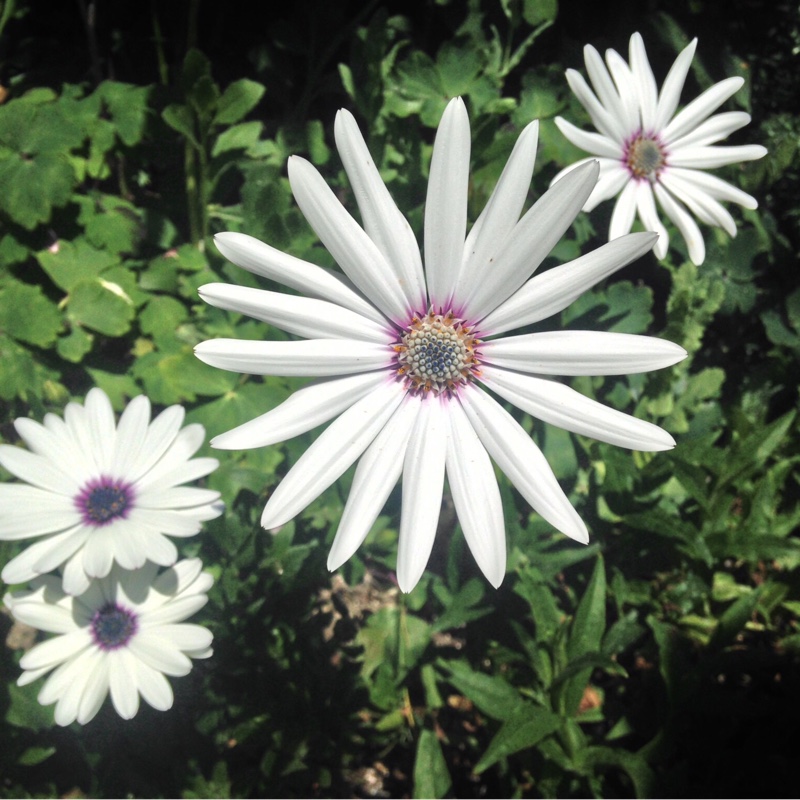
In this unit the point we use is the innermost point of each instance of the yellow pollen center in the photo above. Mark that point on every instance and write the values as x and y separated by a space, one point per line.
437 353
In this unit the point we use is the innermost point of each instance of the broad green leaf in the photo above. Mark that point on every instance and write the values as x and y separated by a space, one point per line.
101 306
129 106
240 137
75 345
633 764
22 375
71 263
33 186
34 756
525 728
27 315
180 119
237 101
431 777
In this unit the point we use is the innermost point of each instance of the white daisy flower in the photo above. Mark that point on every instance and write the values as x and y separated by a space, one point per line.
97 492
647 151
403 351
122 635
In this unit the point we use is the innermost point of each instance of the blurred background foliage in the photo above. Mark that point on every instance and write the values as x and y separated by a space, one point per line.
661 660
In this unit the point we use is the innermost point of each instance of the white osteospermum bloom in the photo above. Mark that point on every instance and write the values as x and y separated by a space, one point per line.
97 492
122 635
647 151
402 351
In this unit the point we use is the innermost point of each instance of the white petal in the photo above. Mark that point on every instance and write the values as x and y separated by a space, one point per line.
160 653
446 203
332 453
607 94
123 683
522 462
309 279
305 409
644 80
684 223
700 203
551 291
94 694
37 470
628 95
595 143
304 316
612 180
60 548
175 610
700 108
22 567
28 511
711 157
646 208
312 358
187 636
52 652
346 240
501 213
564 407
154 687
177 497
131 435
101 425
712 130
98 552
582 353
161 550
377 472
670 93
602 118
383 221
531 241
476 495
423 485
174 465
624 211
714 186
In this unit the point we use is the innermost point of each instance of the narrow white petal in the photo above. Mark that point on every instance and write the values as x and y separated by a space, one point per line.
564 407
342 442
383 221
94 694
304 316
551 291
603 119
160 653
187 636
70 676
711 157
34 512
670 94
311 358
45 616
646 208
174 610
626 85
476 495
122 682
644 80
700 108
624 211
177 497
423 486
161 550
98 552
700 203
176 464
50 653
346 240
501 213
377 473
23 567
102 426
60 548
613 178
582 353
309 279
531 241
595 143
714 186
55 442
684 223
38 470
131 434
712 130
522 462
446 203
163 433
607 94
154 687
305 409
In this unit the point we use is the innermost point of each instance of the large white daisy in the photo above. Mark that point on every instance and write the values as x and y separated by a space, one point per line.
647 152
97 492
404 352
122 635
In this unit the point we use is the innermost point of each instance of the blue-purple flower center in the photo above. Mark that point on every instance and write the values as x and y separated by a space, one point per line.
113 626
645 157
103 500
437 353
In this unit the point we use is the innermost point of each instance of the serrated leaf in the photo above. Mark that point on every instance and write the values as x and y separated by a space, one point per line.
72 263
431 777
33 186
525 728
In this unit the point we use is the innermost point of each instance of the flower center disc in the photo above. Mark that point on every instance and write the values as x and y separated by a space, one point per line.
113 626
437 353
104 500
645 157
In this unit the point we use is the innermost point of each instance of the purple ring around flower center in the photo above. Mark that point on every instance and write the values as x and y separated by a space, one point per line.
644 156
113 626
104 499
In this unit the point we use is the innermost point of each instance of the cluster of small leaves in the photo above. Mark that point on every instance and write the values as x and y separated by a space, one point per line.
655 661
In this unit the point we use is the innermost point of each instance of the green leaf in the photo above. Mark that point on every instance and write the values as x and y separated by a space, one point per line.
101 306
33 186
493 695
128 106
71 263
633 764
27 315
75 345
240 137
25 711
431 777
535 12
734 619
34 756
525 728
181 119
237 101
